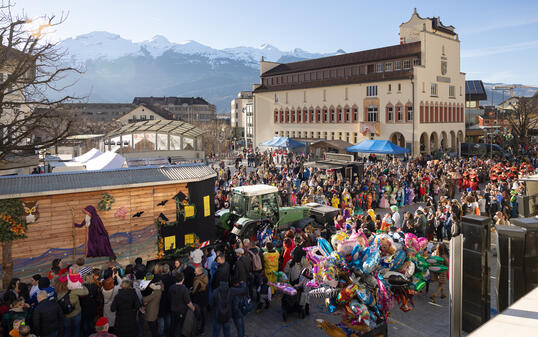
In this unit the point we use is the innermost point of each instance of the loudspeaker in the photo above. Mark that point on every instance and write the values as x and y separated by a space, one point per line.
517 252
524 259
523 208
475 283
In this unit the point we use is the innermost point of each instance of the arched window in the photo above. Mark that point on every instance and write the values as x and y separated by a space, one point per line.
355 114
311 114
305 115
389 113
287 116
281 116
445 114
347 115
339 114
325 115
318 115
432 113
399 113
299 117
436 120
332 115
408 112
292 116
276 116
427 113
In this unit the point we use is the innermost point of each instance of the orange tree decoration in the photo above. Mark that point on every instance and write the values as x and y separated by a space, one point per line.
12 227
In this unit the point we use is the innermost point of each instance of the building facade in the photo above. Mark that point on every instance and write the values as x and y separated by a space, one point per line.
187 109
238 113
411 94
145 113
98 112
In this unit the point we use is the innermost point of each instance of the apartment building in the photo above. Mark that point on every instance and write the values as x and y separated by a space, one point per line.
238 113
187 109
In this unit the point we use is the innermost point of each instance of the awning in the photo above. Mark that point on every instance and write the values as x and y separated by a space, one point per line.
284 142
377 146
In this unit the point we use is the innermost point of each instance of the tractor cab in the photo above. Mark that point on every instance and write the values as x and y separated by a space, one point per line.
255 202
255 206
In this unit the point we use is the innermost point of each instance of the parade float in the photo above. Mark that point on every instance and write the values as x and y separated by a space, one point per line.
126 213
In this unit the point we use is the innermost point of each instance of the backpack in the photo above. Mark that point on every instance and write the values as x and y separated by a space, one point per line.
256 261
224 308
245 305
65 304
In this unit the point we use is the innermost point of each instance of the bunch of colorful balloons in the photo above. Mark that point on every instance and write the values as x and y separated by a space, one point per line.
364 277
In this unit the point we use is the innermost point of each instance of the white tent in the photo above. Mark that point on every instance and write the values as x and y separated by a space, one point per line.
106 161
93 153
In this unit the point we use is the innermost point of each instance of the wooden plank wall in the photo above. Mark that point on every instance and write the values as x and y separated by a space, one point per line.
54 228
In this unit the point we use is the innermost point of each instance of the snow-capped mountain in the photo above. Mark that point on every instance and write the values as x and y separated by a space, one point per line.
108 46
118 69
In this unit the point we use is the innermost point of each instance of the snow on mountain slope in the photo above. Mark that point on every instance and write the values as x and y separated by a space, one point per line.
104 45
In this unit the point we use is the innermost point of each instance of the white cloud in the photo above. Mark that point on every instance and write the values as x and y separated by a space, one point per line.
509 48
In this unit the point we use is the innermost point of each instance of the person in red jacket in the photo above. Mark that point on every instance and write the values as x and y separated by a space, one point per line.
288 248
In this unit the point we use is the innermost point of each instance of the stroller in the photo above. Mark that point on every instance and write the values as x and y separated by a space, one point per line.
296 303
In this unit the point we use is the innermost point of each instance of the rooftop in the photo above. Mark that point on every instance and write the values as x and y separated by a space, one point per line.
253 190
86 181
475 91
171 100
162 126
378 54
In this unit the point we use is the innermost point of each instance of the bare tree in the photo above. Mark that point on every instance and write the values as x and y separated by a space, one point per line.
31 69
522 116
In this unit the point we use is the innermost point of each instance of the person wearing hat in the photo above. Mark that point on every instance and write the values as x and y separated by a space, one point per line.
101 328
242 267
396 217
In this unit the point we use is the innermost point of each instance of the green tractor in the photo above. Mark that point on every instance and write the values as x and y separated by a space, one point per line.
258 205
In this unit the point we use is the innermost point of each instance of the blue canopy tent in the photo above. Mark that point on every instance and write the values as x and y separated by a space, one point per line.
283 142
377 146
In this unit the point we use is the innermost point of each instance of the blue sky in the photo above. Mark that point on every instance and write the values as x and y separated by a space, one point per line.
499 38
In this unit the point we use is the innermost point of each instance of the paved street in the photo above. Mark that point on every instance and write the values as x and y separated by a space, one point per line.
428 319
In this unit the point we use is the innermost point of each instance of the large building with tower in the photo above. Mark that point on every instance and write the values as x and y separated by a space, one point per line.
412 93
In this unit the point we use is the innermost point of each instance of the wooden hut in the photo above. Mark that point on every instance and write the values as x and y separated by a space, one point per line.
130 203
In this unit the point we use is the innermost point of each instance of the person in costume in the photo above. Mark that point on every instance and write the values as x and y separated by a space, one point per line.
335 201
97 240
270 262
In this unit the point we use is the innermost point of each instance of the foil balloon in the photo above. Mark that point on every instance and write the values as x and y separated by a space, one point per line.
383 243
366 296
407 269
421 245
347 294
435 260
398 260
325 246
371 262
438 268
314 254
330 305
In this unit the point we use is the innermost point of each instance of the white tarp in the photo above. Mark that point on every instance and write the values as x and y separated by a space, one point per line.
106 161
93 153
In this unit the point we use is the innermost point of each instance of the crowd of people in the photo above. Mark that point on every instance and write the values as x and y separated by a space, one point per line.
445 188
229 279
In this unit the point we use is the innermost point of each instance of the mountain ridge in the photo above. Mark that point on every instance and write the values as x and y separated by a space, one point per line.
117 69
